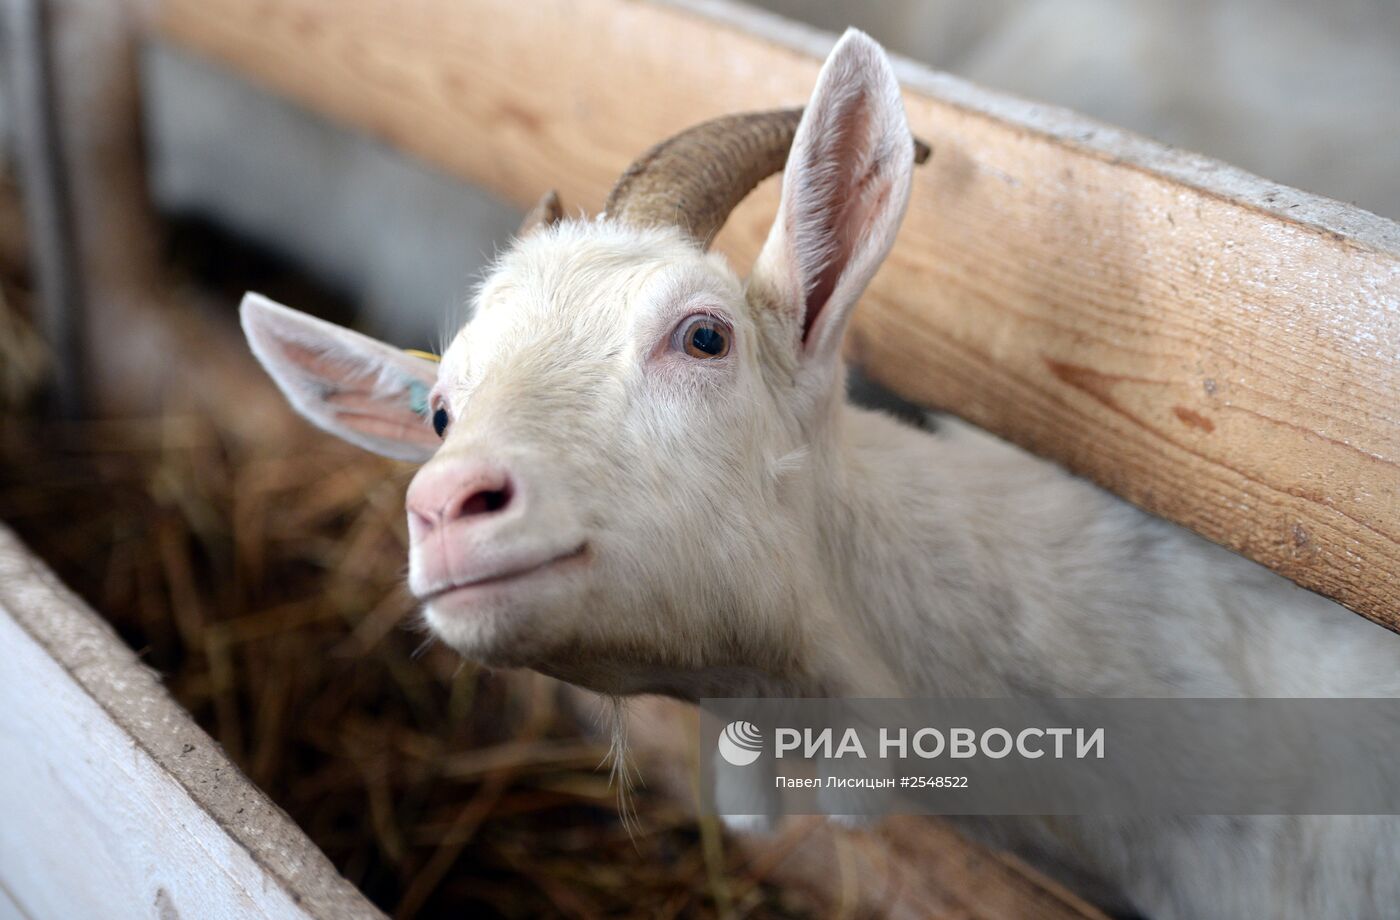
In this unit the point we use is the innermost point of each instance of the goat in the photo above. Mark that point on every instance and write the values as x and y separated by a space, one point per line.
642 476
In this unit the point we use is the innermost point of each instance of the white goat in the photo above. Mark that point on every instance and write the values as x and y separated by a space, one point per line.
649 481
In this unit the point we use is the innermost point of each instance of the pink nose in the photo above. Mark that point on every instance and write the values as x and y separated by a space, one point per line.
447 494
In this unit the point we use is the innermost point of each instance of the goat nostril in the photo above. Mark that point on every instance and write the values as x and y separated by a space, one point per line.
485 501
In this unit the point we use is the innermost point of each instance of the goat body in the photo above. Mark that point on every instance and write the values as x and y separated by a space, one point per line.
642 476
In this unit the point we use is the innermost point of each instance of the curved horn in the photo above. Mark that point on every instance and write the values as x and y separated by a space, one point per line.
547 212
694 179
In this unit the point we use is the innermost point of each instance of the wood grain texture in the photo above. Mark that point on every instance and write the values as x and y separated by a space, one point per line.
114 803
1218 349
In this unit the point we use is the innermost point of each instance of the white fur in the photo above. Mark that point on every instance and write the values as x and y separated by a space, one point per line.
751 533
314 362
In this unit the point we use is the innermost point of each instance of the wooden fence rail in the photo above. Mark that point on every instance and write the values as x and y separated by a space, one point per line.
1218 349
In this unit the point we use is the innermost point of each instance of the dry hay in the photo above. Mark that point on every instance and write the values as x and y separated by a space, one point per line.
263 580
265 585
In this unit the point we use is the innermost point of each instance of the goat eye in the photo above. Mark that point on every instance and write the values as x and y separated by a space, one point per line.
705 337
440 421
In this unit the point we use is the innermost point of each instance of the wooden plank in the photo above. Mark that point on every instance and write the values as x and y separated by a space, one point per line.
9 908
1216 348
115 804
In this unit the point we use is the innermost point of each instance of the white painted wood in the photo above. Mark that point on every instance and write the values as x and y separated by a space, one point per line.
9 910
114 803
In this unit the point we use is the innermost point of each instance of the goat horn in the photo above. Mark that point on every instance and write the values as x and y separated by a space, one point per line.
696 178
545 213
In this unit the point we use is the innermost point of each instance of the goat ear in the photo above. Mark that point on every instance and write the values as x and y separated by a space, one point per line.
845 188
547 212
369 393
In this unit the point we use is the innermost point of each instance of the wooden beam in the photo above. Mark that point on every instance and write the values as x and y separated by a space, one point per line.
1216 348
115 803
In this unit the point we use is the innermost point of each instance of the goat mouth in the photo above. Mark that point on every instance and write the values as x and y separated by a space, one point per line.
506 576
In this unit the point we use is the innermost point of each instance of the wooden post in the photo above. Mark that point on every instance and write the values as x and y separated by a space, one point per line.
48 205
104 251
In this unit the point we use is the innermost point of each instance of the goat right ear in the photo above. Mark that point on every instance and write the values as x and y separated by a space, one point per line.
845 187
357 388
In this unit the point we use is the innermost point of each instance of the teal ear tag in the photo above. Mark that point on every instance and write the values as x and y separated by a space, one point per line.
417 391
418 396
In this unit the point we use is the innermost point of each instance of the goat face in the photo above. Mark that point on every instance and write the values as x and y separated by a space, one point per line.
611 387
627 487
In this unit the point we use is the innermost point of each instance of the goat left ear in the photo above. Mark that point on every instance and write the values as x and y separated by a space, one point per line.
845 188
360 389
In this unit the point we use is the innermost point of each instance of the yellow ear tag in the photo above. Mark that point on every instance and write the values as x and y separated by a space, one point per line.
425 355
